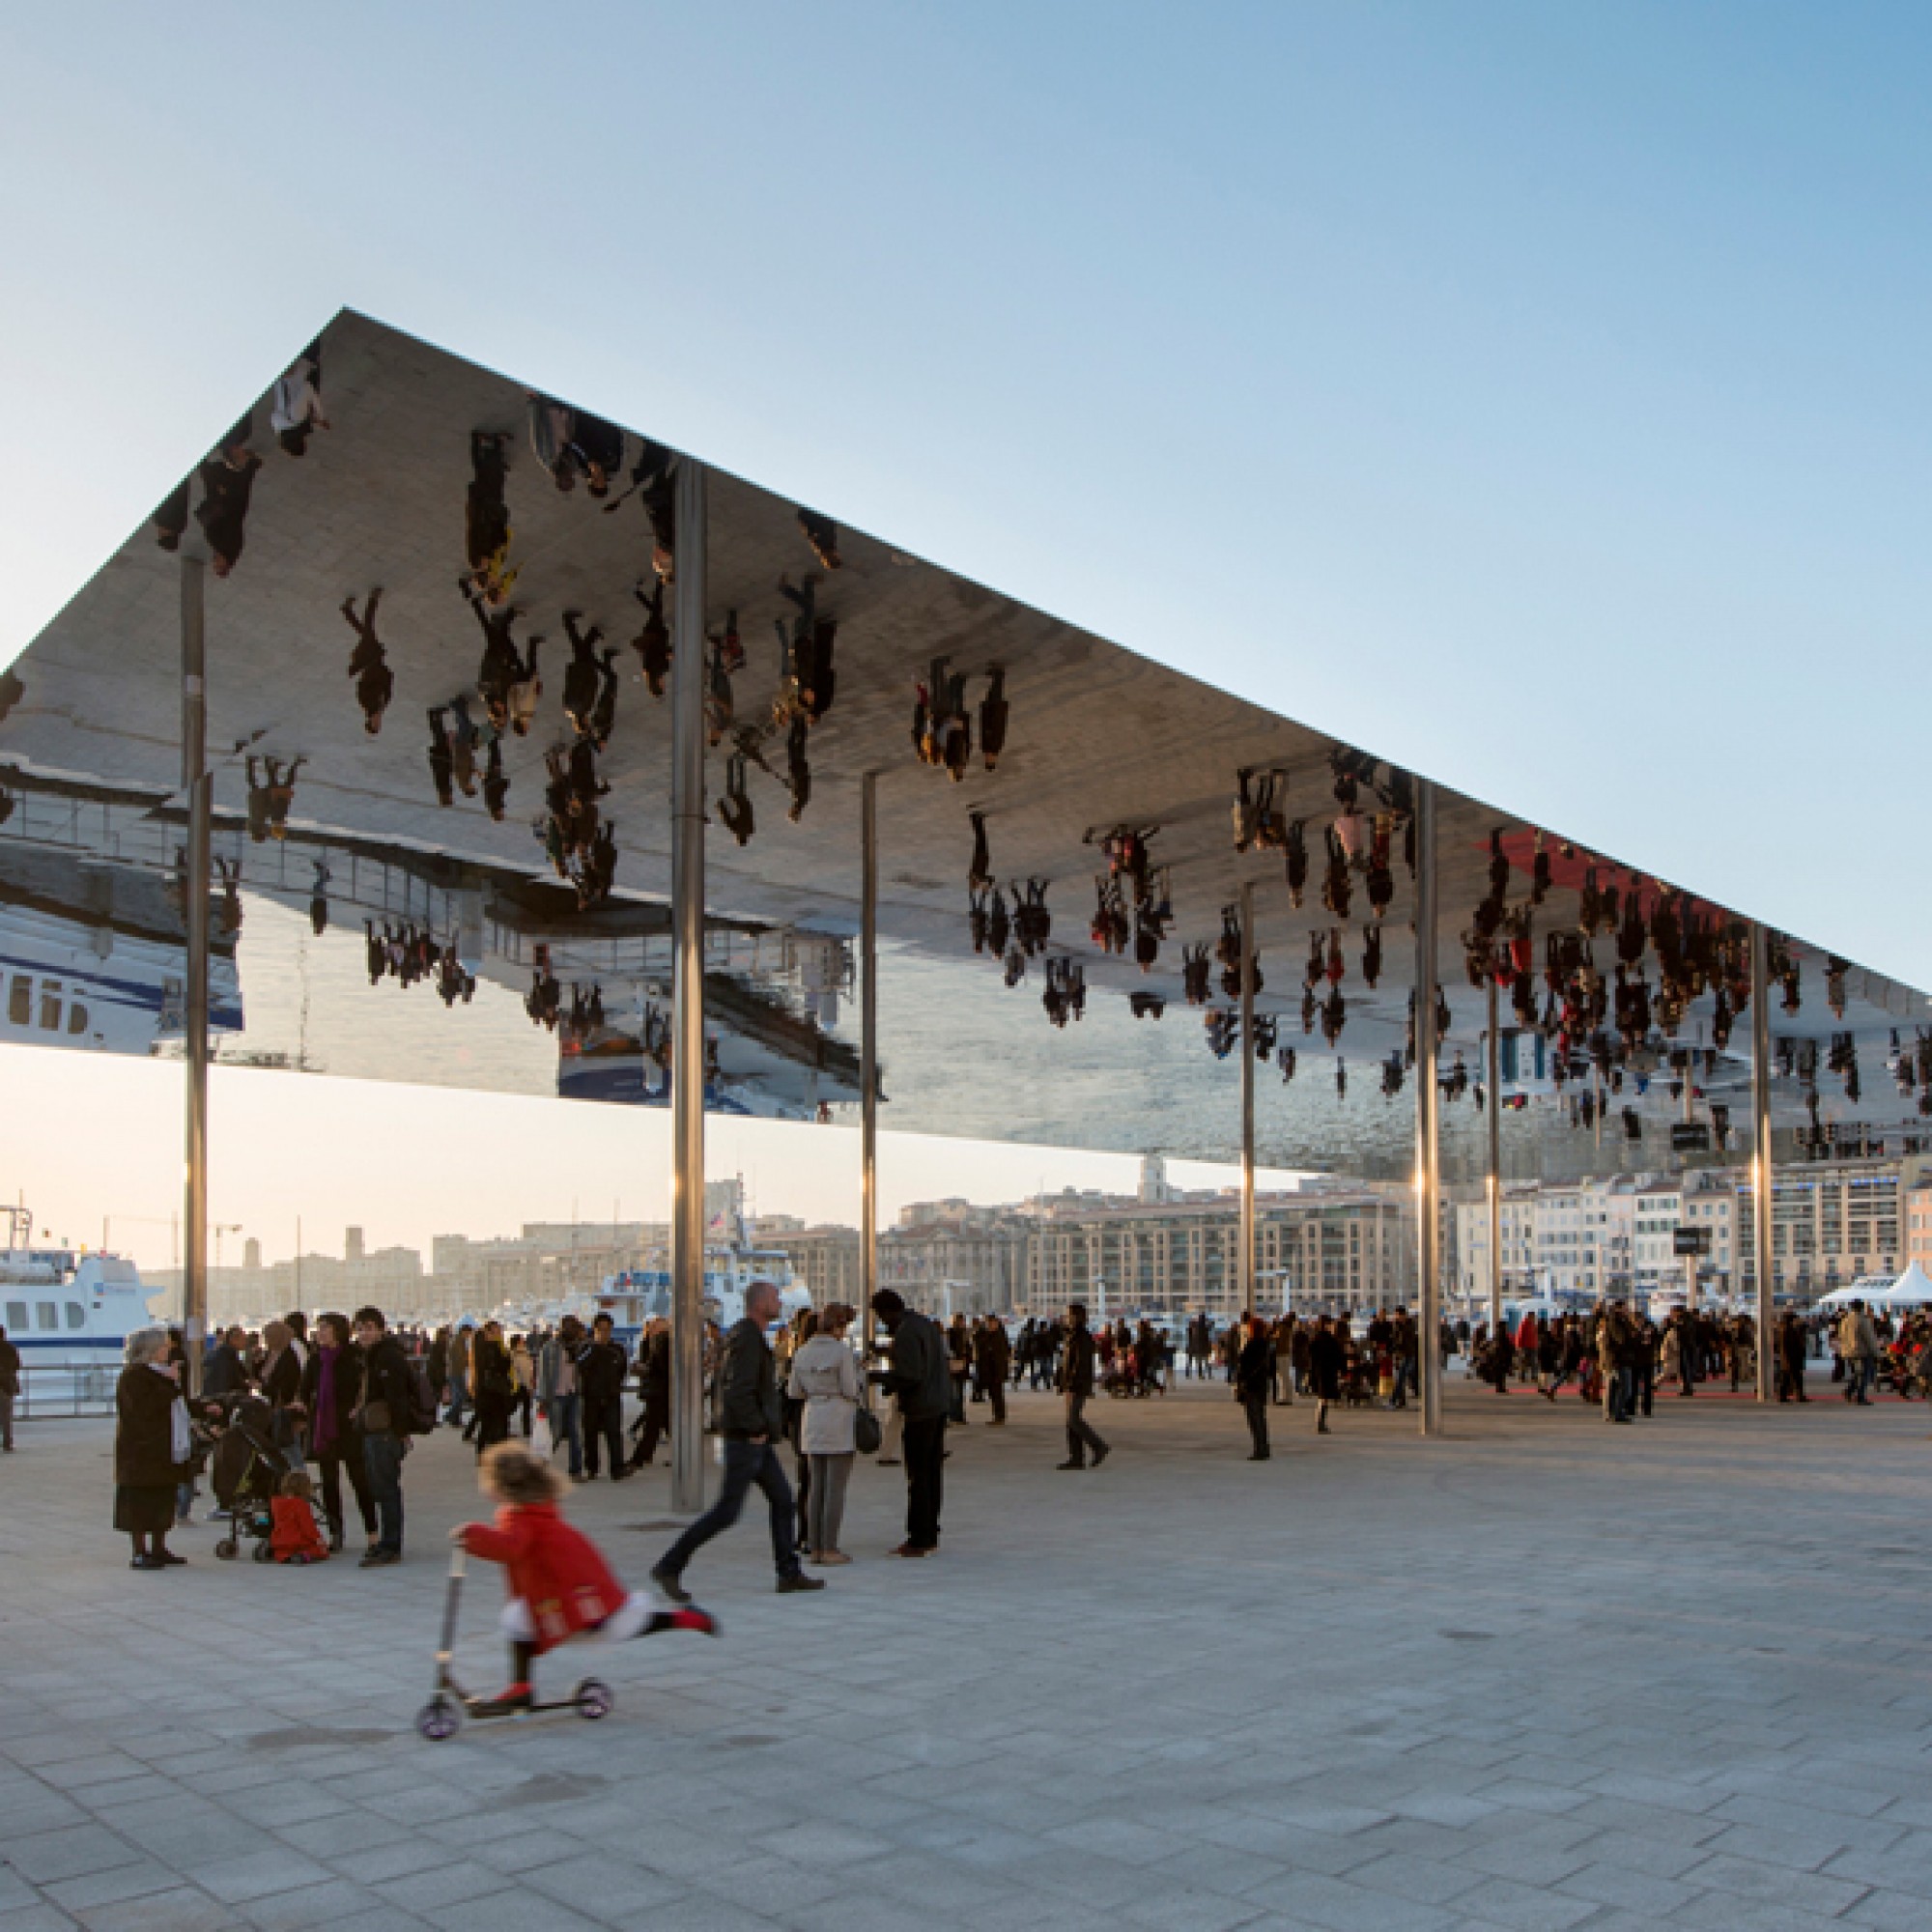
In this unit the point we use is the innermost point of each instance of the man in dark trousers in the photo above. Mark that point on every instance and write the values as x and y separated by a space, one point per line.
384 1417
751 1422
601 1370
10 1389
993 1357
654 1387
1076 1382
920 1377
1254 1379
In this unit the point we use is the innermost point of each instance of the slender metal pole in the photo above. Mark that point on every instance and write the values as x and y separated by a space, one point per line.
1247 1255
1428 1153
198 784
1493 1056
687 892
868 1067
1761 1174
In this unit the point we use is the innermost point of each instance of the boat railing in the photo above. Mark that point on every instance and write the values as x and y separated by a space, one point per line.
48 1391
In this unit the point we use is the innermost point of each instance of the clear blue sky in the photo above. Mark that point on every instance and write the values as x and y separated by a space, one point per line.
1537 395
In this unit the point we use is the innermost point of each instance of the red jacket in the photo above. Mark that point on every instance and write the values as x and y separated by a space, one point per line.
294 1532
554 1568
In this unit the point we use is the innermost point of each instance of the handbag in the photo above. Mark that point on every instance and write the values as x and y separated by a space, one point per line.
867 1434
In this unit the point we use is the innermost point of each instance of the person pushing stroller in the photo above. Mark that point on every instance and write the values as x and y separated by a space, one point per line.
560 1585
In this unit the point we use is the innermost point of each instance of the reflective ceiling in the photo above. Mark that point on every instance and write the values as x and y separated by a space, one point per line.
452 899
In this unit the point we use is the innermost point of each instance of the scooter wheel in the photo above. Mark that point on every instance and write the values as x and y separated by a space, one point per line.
225 1549
264 1552
439 1720
593 1699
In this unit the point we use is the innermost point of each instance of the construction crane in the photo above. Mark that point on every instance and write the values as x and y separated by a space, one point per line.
219 1228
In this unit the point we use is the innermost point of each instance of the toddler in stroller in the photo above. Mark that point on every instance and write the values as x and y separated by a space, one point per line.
246 1469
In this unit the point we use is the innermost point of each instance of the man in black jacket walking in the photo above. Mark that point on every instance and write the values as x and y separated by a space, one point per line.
921 1380
654 1387
1254 1378
1076 1382
751 1422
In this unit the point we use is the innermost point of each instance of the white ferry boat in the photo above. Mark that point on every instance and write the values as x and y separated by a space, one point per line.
637 1295
67 1312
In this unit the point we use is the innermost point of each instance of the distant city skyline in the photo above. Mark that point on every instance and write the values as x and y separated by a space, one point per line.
85 1137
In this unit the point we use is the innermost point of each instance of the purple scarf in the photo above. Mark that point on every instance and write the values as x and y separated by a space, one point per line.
322 1424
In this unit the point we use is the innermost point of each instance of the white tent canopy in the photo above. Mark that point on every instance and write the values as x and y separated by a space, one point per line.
1912 1289
1870 1288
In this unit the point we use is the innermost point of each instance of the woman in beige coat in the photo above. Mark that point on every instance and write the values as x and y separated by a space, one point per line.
825 1377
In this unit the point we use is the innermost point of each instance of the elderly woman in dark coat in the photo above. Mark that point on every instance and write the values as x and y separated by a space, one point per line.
152 1448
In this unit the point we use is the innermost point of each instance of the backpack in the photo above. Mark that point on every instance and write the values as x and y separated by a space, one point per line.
422 1400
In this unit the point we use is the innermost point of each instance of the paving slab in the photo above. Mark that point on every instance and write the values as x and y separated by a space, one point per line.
1537 1675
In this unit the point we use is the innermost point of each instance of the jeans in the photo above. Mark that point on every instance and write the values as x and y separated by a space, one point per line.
826 1510
604 1425
745 1464
332 1461
654 1424
1081 1434
565 1429
1256 1407
383 1464
459 1397
925 1478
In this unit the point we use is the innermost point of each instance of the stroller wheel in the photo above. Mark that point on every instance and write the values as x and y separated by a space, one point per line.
225 1549
593 1699
264 1553
440 1718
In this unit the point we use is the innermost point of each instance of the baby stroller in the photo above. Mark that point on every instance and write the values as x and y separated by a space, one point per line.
246 1468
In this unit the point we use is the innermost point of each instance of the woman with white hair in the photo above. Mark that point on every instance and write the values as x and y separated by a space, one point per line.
152 1448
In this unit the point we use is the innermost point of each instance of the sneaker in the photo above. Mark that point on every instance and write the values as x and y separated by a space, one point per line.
668 1587
700 1621
379 1559
513 1698
145 1562
796 1579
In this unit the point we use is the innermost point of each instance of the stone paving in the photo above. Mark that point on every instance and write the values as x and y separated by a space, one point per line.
1544 1674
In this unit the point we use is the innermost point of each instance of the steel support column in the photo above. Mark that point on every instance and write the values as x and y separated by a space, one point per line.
1428 1153
198 784
1760 1015
868 1067
1493 1056
1247 1097
687 893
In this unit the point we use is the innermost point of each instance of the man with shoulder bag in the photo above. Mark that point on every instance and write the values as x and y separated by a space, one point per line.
751 1422
384 1417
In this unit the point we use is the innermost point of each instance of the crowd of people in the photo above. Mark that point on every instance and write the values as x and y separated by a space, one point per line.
345 1398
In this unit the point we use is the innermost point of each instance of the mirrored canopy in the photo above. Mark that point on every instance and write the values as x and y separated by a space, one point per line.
437 647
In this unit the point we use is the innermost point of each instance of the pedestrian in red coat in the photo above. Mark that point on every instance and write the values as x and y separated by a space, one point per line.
560 1585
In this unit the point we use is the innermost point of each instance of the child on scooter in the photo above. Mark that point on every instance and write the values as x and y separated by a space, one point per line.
560 1586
